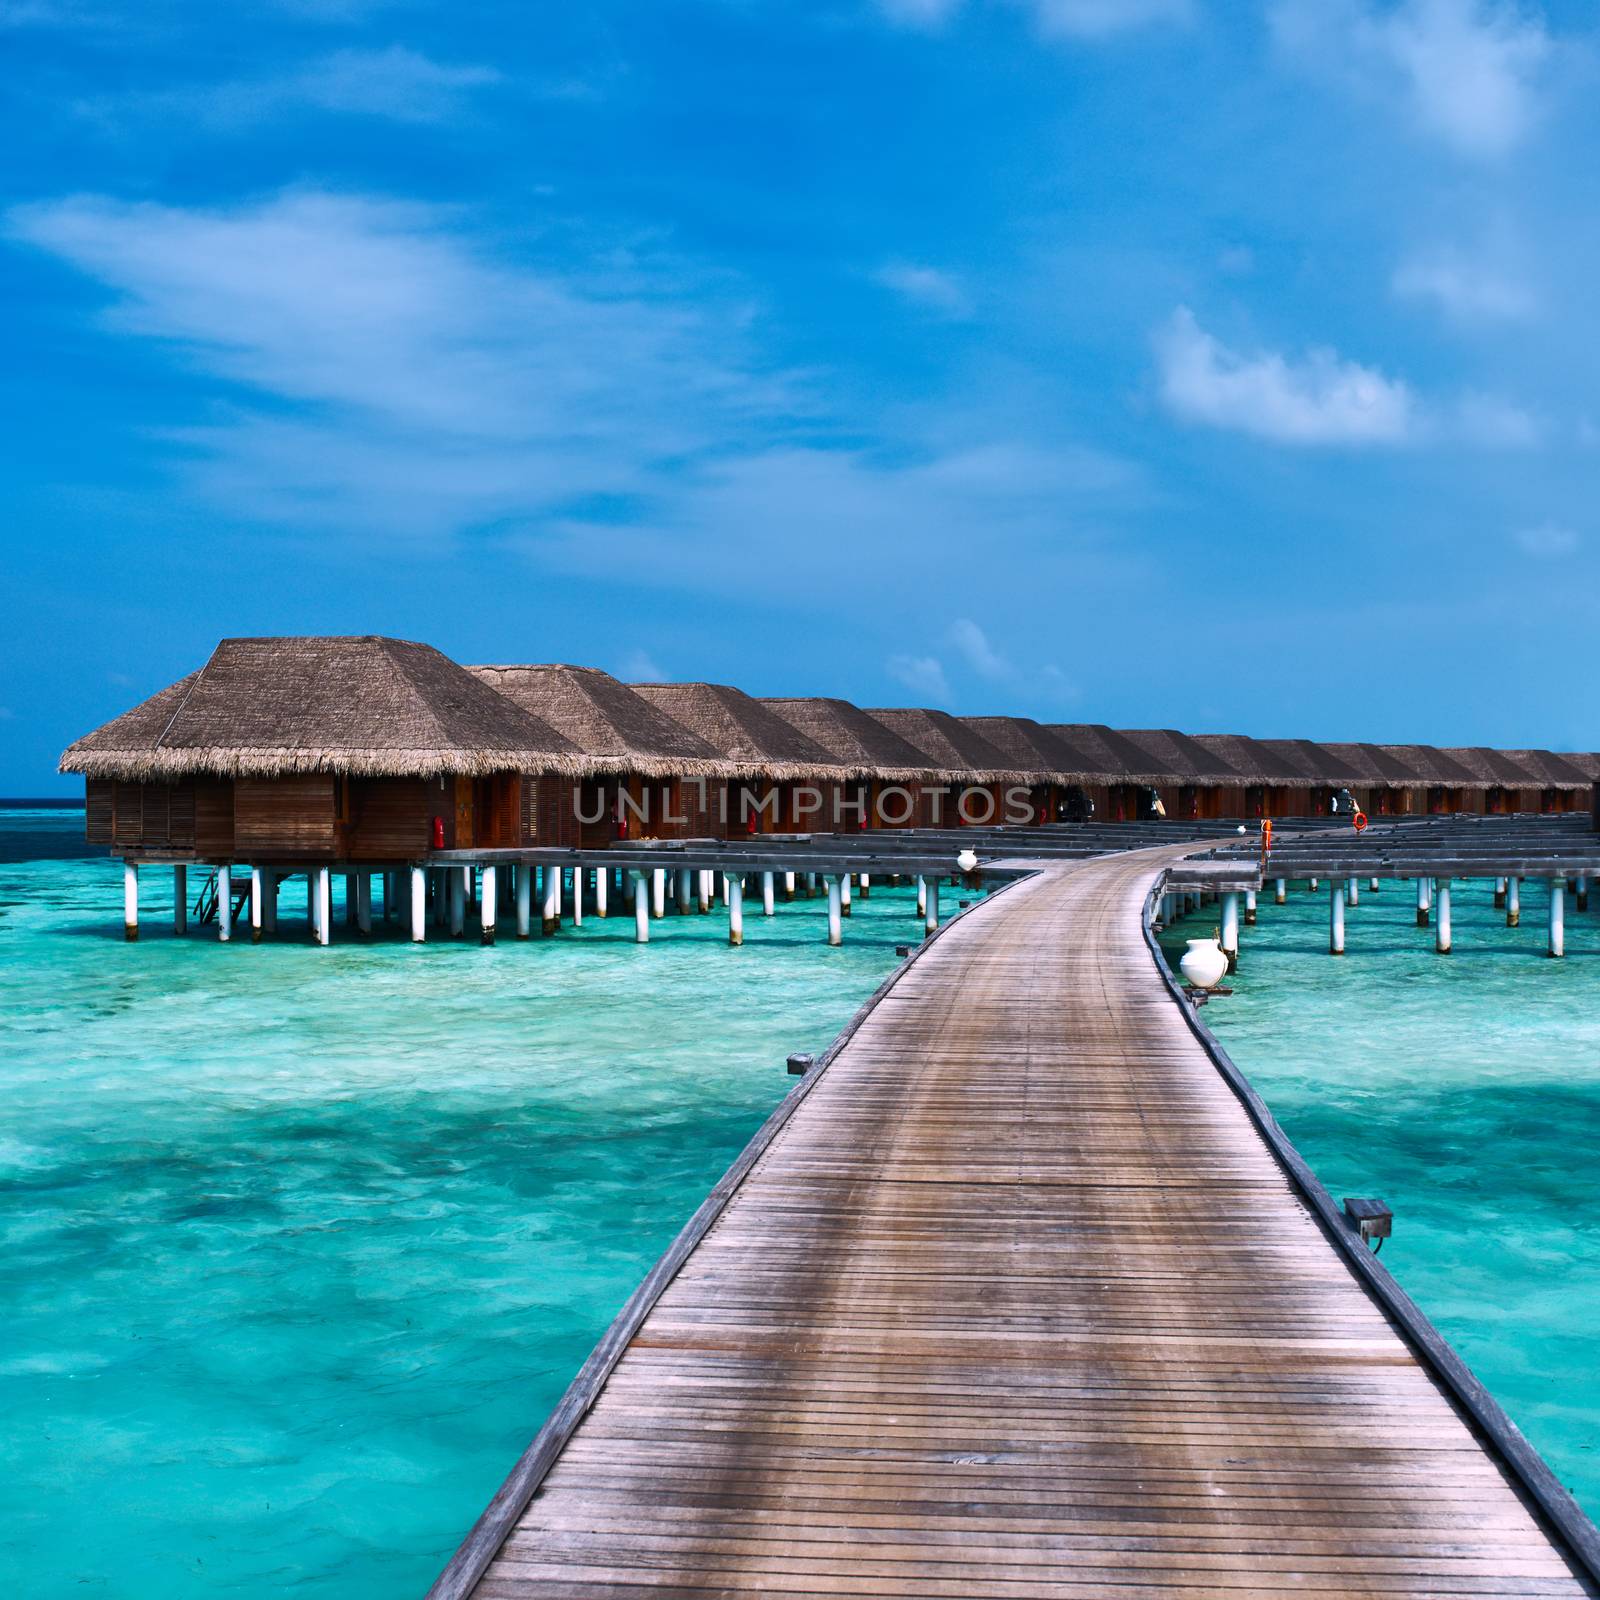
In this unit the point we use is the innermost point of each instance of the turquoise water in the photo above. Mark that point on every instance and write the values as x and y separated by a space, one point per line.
1465 1091
298 1246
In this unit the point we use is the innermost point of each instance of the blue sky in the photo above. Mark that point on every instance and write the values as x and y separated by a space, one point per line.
1208 363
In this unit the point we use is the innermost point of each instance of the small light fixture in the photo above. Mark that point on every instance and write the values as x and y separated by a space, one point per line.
1373 1220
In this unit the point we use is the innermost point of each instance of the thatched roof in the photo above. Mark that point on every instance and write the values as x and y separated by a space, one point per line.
1315 761
1492 767
1376 765
1132 760
1255 760
1181 759
1586 761
740 729
365 706
1435 766
1550 770
620 730
1040 752
949 744
865 748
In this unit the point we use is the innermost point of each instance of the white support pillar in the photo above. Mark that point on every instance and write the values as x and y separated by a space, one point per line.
930 920
788 886
835 909
1499 893
258 888
685 891
602 888
844 894
1513 902
524 888
324 879
363 882
311 900
224 904
1355 891
922 896
641 905
457 893
1372 884
703 890
490 902
1250 908
1558 916
864 884
1441 937
768 897
1335 917
733 886
1230 928
577 897
1281 893
1314 883
180 900
550 912
1424 901
130 901
419 904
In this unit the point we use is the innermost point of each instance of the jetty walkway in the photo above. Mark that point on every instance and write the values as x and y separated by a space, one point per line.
1012 1297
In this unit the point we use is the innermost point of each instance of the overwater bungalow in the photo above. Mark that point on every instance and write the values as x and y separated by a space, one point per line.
950 745
887 782
789 770
1388 786
308 753
1132 771
1450 785
1502 786
1563 786
1061 776
1326 774
652 777
1274 785
1194 780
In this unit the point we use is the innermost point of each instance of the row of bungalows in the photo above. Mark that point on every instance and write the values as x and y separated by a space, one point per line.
377 750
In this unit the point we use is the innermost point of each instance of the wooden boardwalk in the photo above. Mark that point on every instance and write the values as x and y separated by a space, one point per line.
1017 1302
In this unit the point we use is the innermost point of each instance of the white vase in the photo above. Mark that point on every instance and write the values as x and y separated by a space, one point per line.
1204 963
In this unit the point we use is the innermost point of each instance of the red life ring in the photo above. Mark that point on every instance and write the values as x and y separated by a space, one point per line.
1360 820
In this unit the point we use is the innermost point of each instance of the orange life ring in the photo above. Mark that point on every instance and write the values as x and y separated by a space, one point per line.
1360 820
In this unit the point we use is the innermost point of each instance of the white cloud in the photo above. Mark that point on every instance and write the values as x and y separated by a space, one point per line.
1495 422
1547 540
395 83
927 287
428 384
1467 71
923 675
981 656
1318 399
639 666
920 13
1055 19
1466 290
1093 19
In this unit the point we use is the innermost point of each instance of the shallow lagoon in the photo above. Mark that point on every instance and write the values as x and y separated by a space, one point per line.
298 1246
1465 1091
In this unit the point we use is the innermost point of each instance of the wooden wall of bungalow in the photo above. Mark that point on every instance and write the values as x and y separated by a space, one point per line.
309 816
